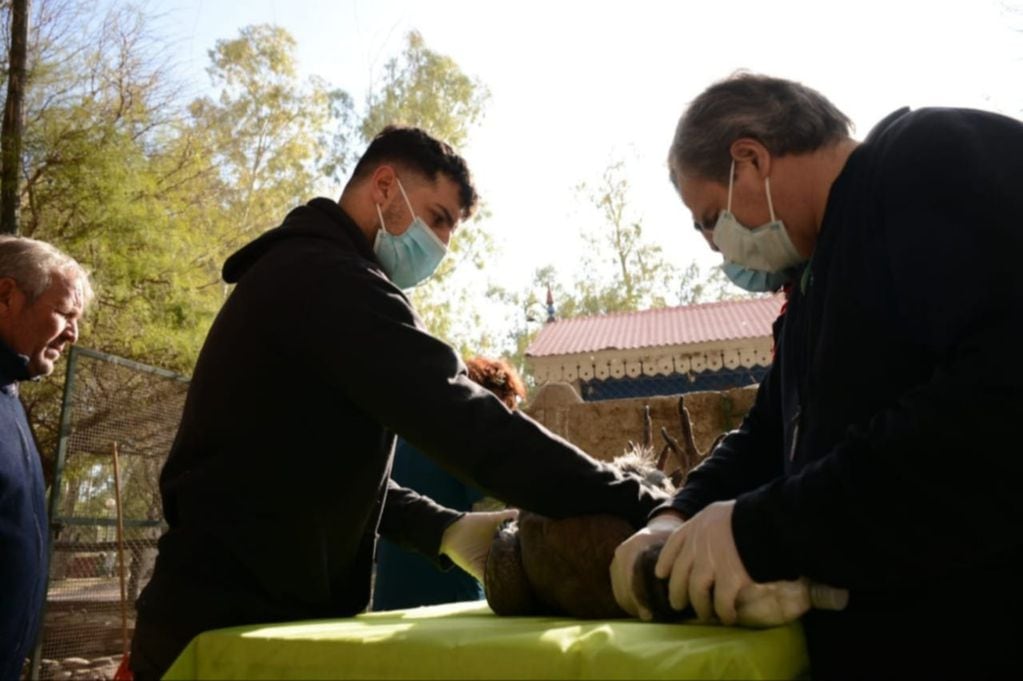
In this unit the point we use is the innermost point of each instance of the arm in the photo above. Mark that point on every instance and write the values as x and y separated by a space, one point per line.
415 385
416 522
440 534
746 458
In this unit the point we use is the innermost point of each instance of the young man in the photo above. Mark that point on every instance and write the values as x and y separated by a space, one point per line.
878 456
277 483
42 296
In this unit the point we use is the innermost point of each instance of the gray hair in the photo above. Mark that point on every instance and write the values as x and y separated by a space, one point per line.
32 263
785 116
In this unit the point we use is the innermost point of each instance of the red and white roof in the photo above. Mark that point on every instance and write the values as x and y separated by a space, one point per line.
732 320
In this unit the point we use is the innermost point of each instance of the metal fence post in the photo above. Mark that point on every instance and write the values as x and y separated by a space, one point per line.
65 428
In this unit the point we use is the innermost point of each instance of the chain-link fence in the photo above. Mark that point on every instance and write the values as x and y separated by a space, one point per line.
118 421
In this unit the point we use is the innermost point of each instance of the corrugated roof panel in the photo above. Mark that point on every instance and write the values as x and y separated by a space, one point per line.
687 324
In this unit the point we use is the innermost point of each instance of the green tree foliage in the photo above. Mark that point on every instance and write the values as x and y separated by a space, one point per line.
621 270
151 193
113 177
423 88
114 180
271 137
527 312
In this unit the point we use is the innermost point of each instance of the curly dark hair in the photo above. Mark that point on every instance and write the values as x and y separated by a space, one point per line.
498 377
417 149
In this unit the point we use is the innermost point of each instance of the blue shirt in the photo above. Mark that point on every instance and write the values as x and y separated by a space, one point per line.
24 557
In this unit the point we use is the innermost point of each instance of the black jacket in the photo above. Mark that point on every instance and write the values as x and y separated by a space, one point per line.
24 552
882 453
275 486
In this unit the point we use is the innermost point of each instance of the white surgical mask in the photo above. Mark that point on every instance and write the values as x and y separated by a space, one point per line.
412 256
766 248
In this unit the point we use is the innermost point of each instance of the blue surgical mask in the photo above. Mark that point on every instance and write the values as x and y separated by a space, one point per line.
766 248
756 281
412 256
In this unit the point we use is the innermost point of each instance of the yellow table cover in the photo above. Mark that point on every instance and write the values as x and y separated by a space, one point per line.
467 641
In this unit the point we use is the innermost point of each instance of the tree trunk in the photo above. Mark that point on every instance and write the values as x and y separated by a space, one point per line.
10 135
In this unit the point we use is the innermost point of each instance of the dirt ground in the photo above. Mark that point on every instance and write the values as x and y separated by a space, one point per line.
82 630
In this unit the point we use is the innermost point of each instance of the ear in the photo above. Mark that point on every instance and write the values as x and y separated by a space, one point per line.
8 290
749 150
382 183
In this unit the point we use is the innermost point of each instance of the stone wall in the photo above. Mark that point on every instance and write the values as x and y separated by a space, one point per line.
604 429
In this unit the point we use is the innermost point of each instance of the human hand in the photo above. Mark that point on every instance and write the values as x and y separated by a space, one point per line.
626 555
703 566
467 541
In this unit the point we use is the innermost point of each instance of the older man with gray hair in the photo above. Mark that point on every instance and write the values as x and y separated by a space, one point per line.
43 293
882 453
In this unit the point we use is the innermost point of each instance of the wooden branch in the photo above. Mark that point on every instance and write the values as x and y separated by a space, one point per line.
672 443
692 453
648 426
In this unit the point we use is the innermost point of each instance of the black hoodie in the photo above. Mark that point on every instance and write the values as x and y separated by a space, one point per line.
275 487
882 453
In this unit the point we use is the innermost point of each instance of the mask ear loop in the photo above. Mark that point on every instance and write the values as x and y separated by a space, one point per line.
767 188
731 181
405 196
381 216
426 229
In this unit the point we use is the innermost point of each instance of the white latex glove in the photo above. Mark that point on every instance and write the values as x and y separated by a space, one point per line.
772 604
628 552
467 540
701 559
776 603
824 597
704 566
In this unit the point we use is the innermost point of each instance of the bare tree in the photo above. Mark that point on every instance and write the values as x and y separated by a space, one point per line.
10 135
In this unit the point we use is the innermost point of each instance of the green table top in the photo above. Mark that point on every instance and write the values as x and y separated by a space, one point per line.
467 641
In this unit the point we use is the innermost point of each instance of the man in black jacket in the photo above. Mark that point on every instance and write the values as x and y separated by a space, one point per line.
879 454
278 481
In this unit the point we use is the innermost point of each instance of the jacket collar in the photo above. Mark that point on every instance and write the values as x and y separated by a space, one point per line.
886 123
349 230
320 218
13 368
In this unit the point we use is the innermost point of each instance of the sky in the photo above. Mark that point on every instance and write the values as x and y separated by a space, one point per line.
576 85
